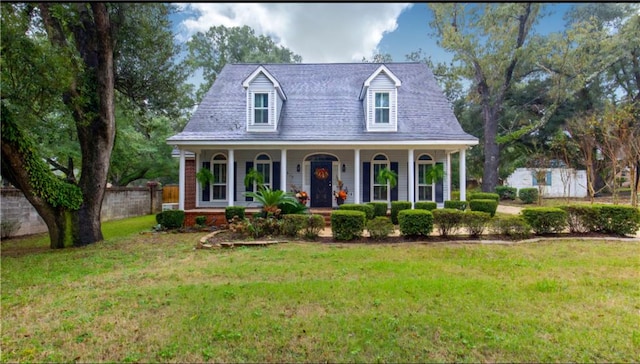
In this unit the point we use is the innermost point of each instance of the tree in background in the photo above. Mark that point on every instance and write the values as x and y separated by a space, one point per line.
220 45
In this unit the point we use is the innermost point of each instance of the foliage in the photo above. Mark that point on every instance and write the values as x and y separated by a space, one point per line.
212 50
296 208
507 192
270 200
456 204
380 227
619 220
415 223
253 176
483 196
171 219
512 226
8 228
204 176
455 195
260 227
366 208
447 220
379 208
528 195
489 206
347 224
434 174
313 225
231 211
545 220
396 207
581 218
385 175
475 222
292 224
201 220
425 205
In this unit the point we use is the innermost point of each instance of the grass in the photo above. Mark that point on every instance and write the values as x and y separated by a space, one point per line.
152 297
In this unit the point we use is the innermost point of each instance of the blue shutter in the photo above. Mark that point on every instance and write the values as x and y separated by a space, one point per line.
394 191
548 179
206 191
235 181
366 181
440 187
276 176
249 165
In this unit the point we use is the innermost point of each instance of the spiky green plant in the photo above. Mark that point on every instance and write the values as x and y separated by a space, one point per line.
271 199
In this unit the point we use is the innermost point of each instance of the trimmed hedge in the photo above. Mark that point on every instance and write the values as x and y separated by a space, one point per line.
513 226
475 222
447 220
201 220
458 205
506 192
171 219
347 224
581 218
545 220
231 211
489 206
455 195
528 195
396 207
484 196
367 209
379 208
425 205
379 228
415 223
313 224
619 220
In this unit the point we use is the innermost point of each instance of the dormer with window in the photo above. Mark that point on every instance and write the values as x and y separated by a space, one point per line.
264 101
380 96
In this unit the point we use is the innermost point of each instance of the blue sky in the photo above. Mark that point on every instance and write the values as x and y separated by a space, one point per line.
336 32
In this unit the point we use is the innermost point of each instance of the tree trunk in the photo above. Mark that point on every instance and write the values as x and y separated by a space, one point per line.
491 149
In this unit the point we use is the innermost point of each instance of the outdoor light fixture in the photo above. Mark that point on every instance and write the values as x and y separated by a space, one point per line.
344 167
298 168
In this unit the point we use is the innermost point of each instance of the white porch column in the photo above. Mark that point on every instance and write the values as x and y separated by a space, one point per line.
411 177
181 180
231 182
356 176
447 197
283 170
463 175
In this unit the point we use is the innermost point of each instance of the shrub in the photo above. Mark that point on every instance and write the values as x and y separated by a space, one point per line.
396 207
506 192
484 196
313 224
8 228
544 220
379 208
292 224
415 223
171 219
425 205
581 218
528 195
264 226
512 226
231 211
380 227
475 222
619 220
447 220
489 206
201 220
458 205
455 195
367 209
347 224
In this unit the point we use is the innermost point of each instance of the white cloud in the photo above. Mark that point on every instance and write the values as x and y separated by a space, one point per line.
319 32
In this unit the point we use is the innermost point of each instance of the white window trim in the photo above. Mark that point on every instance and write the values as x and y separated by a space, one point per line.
419 162
392 125
211 168
376 108
387 163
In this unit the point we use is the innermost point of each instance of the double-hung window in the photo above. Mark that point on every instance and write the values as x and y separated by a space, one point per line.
263 166
381 109
425 184
380 190
219 183
261 108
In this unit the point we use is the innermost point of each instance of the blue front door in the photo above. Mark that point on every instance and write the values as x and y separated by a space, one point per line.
321 177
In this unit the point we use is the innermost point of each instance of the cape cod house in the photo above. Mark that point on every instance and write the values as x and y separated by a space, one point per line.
309 125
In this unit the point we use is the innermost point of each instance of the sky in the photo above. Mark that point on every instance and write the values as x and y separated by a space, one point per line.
335 32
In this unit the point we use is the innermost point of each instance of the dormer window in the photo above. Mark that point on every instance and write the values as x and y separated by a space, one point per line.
261 108
382 108
380 97
264 101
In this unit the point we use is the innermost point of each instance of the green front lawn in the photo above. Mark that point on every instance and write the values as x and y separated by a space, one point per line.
152 297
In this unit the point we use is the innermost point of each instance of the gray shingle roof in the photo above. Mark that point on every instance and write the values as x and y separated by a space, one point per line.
323 105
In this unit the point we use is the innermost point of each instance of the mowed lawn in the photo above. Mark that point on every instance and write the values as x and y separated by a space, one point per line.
152 297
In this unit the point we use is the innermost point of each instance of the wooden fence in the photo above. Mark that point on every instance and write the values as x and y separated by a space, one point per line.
170 194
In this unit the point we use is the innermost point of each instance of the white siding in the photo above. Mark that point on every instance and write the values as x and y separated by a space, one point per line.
262 84
564 182
382 83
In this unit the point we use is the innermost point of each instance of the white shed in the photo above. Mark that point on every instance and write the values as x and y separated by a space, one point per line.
559 182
